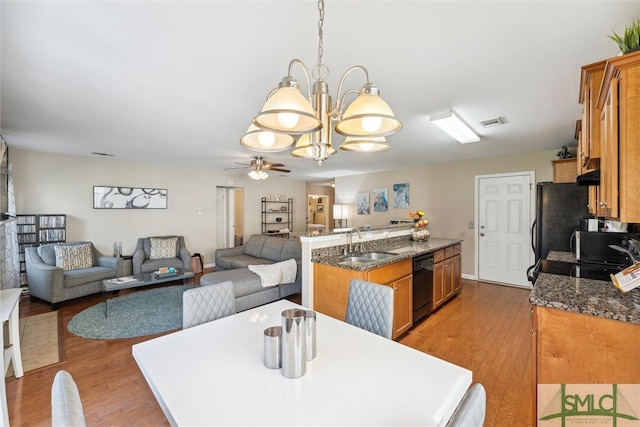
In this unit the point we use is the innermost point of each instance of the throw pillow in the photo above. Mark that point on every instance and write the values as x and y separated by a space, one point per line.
73 257
163 248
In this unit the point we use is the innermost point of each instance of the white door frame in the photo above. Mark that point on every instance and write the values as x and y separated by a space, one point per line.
532 214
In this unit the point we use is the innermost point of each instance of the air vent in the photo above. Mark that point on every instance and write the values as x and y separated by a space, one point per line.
492 122
95 153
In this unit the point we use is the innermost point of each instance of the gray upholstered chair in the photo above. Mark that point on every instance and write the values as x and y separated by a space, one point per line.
207 303
66 405
370 307
143 262
471 409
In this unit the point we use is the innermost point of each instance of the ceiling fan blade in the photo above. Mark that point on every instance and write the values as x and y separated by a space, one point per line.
242 167
275 164
243 164
280 170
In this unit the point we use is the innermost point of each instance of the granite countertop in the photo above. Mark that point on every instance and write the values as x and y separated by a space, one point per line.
329 232
561 256
594 297
401 250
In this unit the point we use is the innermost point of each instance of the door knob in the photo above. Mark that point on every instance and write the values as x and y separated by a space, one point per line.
481 234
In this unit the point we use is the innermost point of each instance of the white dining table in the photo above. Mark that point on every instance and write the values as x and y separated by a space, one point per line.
10 311
213 374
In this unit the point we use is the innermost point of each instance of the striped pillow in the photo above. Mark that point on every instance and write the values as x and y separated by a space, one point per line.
163 248
73 257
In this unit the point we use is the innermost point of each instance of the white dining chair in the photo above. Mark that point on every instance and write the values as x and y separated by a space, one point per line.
370 307
66 405
471 409
207 303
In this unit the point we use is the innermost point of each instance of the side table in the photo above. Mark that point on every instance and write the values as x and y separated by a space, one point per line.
128 266
10 311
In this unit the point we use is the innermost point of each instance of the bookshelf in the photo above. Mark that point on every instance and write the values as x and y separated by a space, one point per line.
37 230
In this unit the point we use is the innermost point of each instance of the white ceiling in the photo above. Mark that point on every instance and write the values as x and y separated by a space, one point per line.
180 81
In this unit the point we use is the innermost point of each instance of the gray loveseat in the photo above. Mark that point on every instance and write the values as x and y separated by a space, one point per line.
54 285
232 264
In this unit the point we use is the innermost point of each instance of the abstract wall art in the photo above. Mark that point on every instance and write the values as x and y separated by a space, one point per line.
129 198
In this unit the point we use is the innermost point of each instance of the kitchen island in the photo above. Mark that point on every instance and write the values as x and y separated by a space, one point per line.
334 270
584 332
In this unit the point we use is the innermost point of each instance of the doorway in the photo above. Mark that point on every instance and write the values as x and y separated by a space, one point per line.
505 206
317 212
229 217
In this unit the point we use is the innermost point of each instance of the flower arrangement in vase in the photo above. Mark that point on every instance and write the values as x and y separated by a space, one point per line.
420 233
418 220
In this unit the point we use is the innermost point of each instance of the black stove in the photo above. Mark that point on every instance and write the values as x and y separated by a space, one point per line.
583 270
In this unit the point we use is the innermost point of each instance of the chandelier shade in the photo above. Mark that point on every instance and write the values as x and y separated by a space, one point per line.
288 111
261 140
368 115
318 152
365 145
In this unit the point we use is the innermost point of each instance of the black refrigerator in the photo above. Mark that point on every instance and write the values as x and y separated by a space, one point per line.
559 208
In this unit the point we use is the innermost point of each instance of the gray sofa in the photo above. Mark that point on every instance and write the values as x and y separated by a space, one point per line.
232 264
54 285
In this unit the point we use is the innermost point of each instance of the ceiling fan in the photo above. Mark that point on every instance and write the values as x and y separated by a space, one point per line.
259 166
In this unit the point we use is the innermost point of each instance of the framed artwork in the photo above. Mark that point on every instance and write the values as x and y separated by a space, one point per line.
129 198
380 200
319 200
401 196
362 203
320 208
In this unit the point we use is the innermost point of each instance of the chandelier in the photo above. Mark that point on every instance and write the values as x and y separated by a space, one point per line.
288 114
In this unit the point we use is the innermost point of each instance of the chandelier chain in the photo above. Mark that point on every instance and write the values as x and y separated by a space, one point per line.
320 25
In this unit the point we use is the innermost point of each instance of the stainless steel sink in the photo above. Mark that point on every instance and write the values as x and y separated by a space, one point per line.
368 257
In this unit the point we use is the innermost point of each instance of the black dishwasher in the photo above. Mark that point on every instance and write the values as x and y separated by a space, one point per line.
422 286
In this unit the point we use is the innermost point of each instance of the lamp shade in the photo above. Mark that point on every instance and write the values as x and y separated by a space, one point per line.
365 145
288 111
368 115
257 139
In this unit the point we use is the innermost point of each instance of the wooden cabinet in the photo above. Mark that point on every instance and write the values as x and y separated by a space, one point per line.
575 348
564 170
331 290
447 274
619 100
589 142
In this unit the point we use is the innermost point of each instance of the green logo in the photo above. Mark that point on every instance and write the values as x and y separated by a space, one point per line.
565 405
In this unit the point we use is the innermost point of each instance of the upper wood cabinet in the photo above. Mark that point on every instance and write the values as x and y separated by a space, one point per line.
619 101
564 170
589 142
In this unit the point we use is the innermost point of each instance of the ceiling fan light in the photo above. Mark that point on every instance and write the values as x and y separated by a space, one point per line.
369 116
365 145
288 111
257 139
258 175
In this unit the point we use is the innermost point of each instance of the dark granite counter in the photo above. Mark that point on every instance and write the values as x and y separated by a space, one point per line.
561 256
316 233
594 297
401 249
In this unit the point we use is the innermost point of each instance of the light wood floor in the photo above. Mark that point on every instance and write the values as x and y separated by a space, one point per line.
486 329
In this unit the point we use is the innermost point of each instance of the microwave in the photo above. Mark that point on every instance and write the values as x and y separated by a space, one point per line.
593 247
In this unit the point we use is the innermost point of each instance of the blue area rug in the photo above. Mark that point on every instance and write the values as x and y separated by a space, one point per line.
134 315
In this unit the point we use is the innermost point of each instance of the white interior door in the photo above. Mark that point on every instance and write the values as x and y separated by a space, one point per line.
222 237
504 212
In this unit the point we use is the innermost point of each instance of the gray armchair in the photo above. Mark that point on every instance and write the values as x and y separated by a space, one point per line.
142 262
54 285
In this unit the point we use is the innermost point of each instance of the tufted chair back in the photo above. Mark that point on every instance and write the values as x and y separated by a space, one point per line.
471 409
206 303
370 307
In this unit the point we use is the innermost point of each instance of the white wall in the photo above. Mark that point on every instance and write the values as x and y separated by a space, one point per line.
51 183
445 192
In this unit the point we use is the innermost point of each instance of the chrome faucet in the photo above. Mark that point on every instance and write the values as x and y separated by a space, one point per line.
350 238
